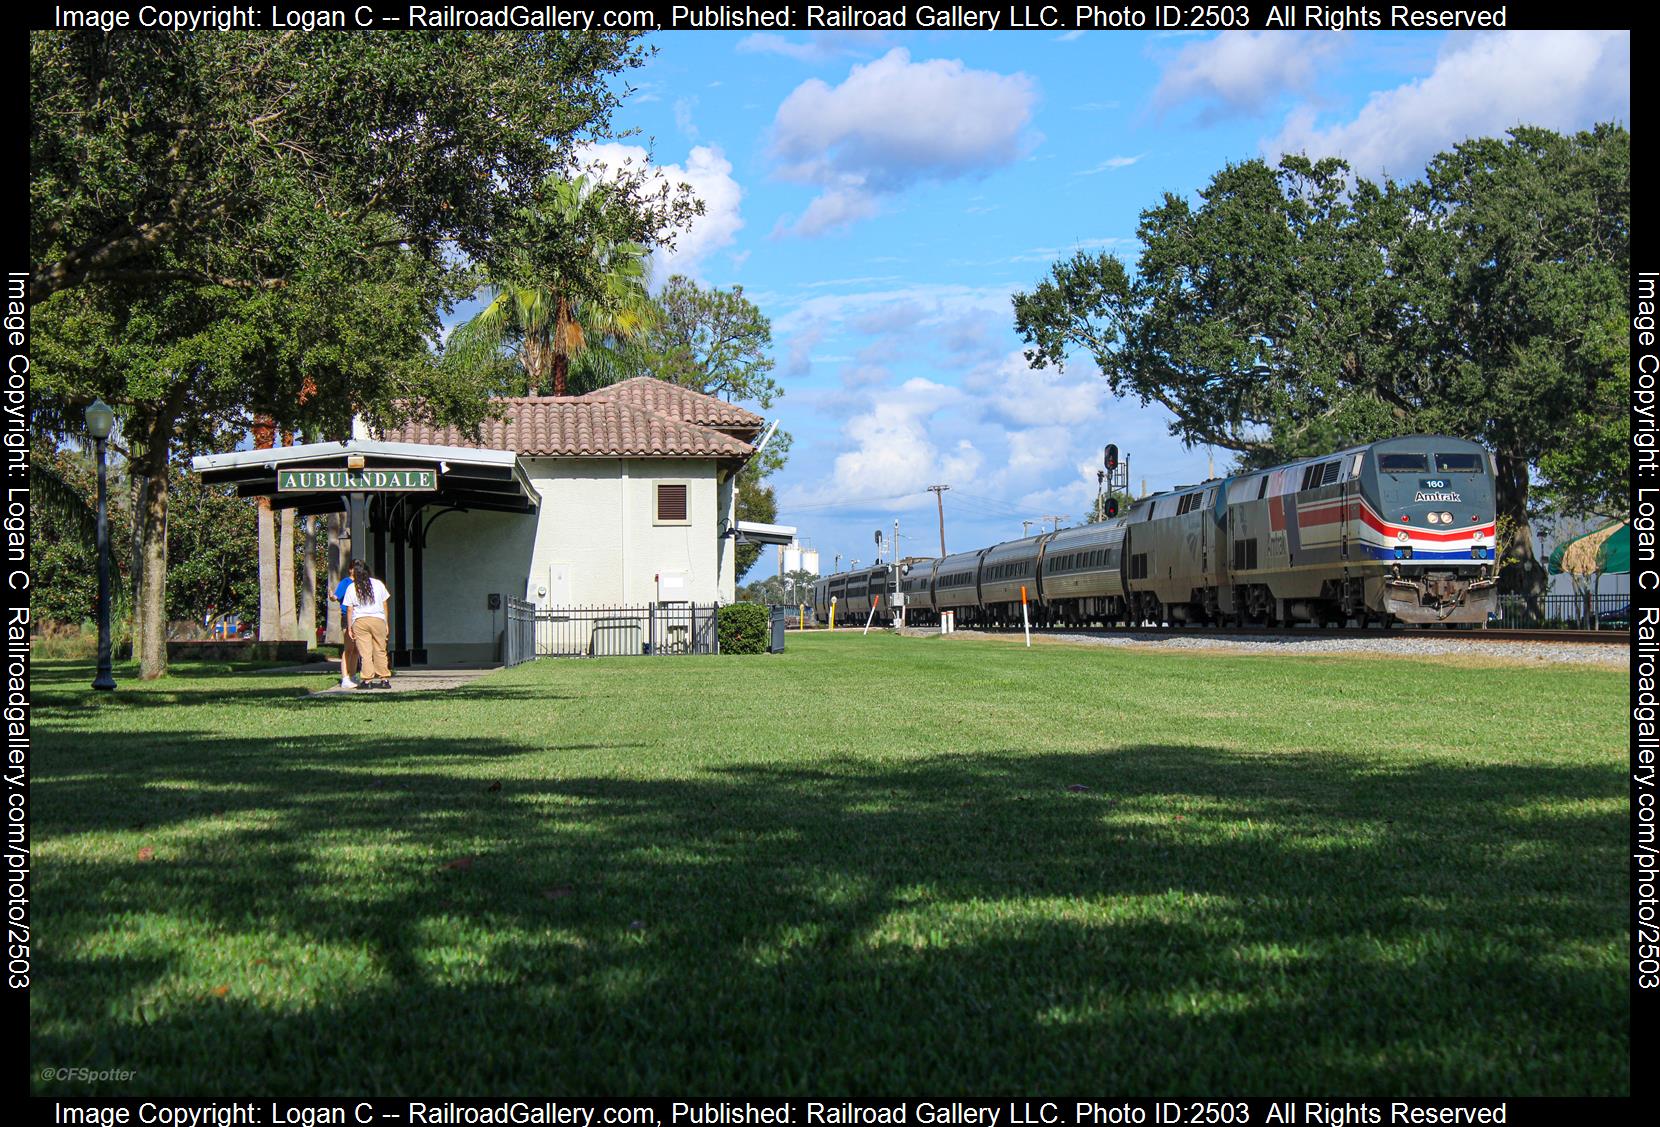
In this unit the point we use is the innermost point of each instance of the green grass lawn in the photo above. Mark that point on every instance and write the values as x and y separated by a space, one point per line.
861 867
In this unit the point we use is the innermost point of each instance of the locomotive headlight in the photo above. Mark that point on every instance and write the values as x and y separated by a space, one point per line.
1401 536
1446 518
1435 518
1476 536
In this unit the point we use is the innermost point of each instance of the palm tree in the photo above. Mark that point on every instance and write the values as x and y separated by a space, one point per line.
570 290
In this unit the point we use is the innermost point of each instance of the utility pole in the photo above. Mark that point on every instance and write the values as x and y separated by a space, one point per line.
1057 519
1026 527
939 497
837 566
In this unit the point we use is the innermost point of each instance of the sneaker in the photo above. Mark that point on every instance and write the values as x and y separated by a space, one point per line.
347 683
365 684
383 684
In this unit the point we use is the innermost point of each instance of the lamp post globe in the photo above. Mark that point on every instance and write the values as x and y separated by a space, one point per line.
99 422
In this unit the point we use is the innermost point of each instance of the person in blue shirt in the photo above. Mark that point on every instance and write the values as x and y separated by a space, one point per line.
349 662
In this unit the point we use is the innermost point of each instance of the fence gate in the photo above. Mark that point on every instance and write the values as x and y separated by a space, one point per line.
653 630
518 643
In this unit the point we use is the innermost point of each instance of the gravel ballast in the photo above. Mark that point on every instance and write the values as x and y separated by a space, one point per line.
1524 653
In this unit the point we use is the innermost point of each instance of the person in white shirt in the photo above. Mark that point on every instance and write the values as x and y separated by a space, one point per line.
367 599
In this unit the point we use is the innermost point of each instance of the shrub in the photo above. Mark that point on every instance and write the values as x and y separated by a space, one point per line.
743 628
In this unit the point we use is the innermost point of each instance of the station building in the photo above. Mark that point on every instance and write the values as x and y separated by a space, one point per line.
622 497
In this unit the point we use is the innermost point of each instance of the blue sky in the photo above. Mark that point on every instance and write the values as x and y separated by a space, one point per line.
880 196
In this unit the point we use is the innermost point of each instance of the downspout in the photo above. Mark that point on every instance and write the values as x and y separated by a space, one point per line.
623 510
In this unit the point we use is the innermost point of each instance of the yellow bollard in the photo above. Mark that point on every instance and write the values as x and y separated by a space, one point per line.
832 614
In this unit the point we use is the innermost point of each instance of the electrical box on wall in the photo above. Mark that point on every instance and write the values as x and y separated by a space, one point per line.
552 589
672 587
494 601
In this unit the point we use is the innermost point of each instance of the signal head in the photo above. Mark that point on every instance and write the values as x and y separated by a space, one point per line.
1112 507
1111 458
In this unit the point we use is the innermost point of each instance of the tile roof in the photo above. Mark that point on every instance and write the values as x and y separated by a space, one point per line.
586 426
679 403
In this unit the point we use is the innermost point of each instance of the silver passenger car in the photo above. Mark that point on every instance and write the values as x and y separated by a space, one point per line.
1004 570
1083 573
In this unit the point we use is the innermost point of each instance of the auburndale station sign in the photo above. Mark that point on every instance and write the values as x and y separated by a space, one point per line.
371 481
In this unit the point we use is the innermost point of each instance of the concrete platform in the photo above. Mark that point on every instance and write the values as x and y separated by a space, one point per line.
417 680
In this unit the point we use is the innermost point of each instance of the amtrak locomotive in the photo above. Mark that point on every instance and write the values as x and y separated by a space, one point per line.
1399 530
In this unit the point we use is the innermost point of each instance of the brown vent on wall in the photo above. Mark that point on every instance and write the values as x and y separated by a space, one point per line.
671 502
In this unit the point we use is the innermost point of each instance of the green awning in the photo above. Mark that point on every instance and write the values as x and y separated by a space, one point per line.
1607 551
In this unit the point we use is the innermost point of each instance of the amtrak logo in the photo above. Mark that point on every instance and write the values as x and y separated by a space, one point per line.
1435 495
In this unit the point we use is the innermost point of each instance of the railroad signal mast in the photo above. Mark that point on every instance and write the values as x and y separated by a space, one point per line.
1112 479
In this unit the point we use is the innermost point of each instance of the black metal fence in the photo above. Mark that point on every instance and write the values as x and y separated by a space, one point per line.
659 629
518 642
1563 612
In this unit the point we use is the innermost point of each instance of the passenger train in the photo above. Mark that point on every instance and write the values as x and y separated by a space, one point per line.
1399 530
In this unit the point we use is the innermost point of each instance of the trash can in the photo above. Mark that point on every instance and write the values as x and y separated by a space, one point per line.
780 621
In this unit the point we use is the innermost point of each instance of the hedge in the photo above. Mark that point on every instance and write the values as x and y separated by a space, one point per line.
744 628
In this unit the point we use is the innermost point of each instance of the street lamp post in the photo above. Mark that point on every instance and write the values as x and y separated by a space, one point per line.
99 420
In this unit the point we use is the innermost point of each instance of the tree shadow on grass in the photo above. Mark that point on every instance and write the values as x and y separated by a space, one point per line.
65 687
370 915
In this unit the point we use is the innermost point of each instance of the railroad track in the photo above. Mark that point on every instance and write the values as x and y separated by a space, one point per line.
1417 633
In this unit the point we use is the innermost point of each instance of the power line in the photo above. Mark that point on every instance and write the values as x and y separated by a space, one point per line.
848 504
993 503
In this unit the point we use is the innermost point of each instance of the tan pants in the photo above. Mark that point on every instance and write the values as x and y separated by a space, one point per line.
348 655
370 636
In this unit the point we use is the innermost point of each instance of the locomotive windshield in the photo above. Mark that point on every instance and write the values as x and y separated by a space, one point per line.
1402 463
1458 463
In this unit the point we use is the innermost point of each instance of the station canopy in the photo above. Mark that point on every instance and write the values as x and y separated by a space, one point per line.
315 477
754 532
1607 551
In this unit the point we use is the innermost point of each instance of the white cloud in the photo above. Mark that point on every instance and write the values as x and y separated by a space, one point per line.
710 175
896 317
865 375
818 47
893 123
937 305
893 450
840 206
1035 450
799 360
1563 80
683 108
1019 393
1074 499
1239 72
1111 164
